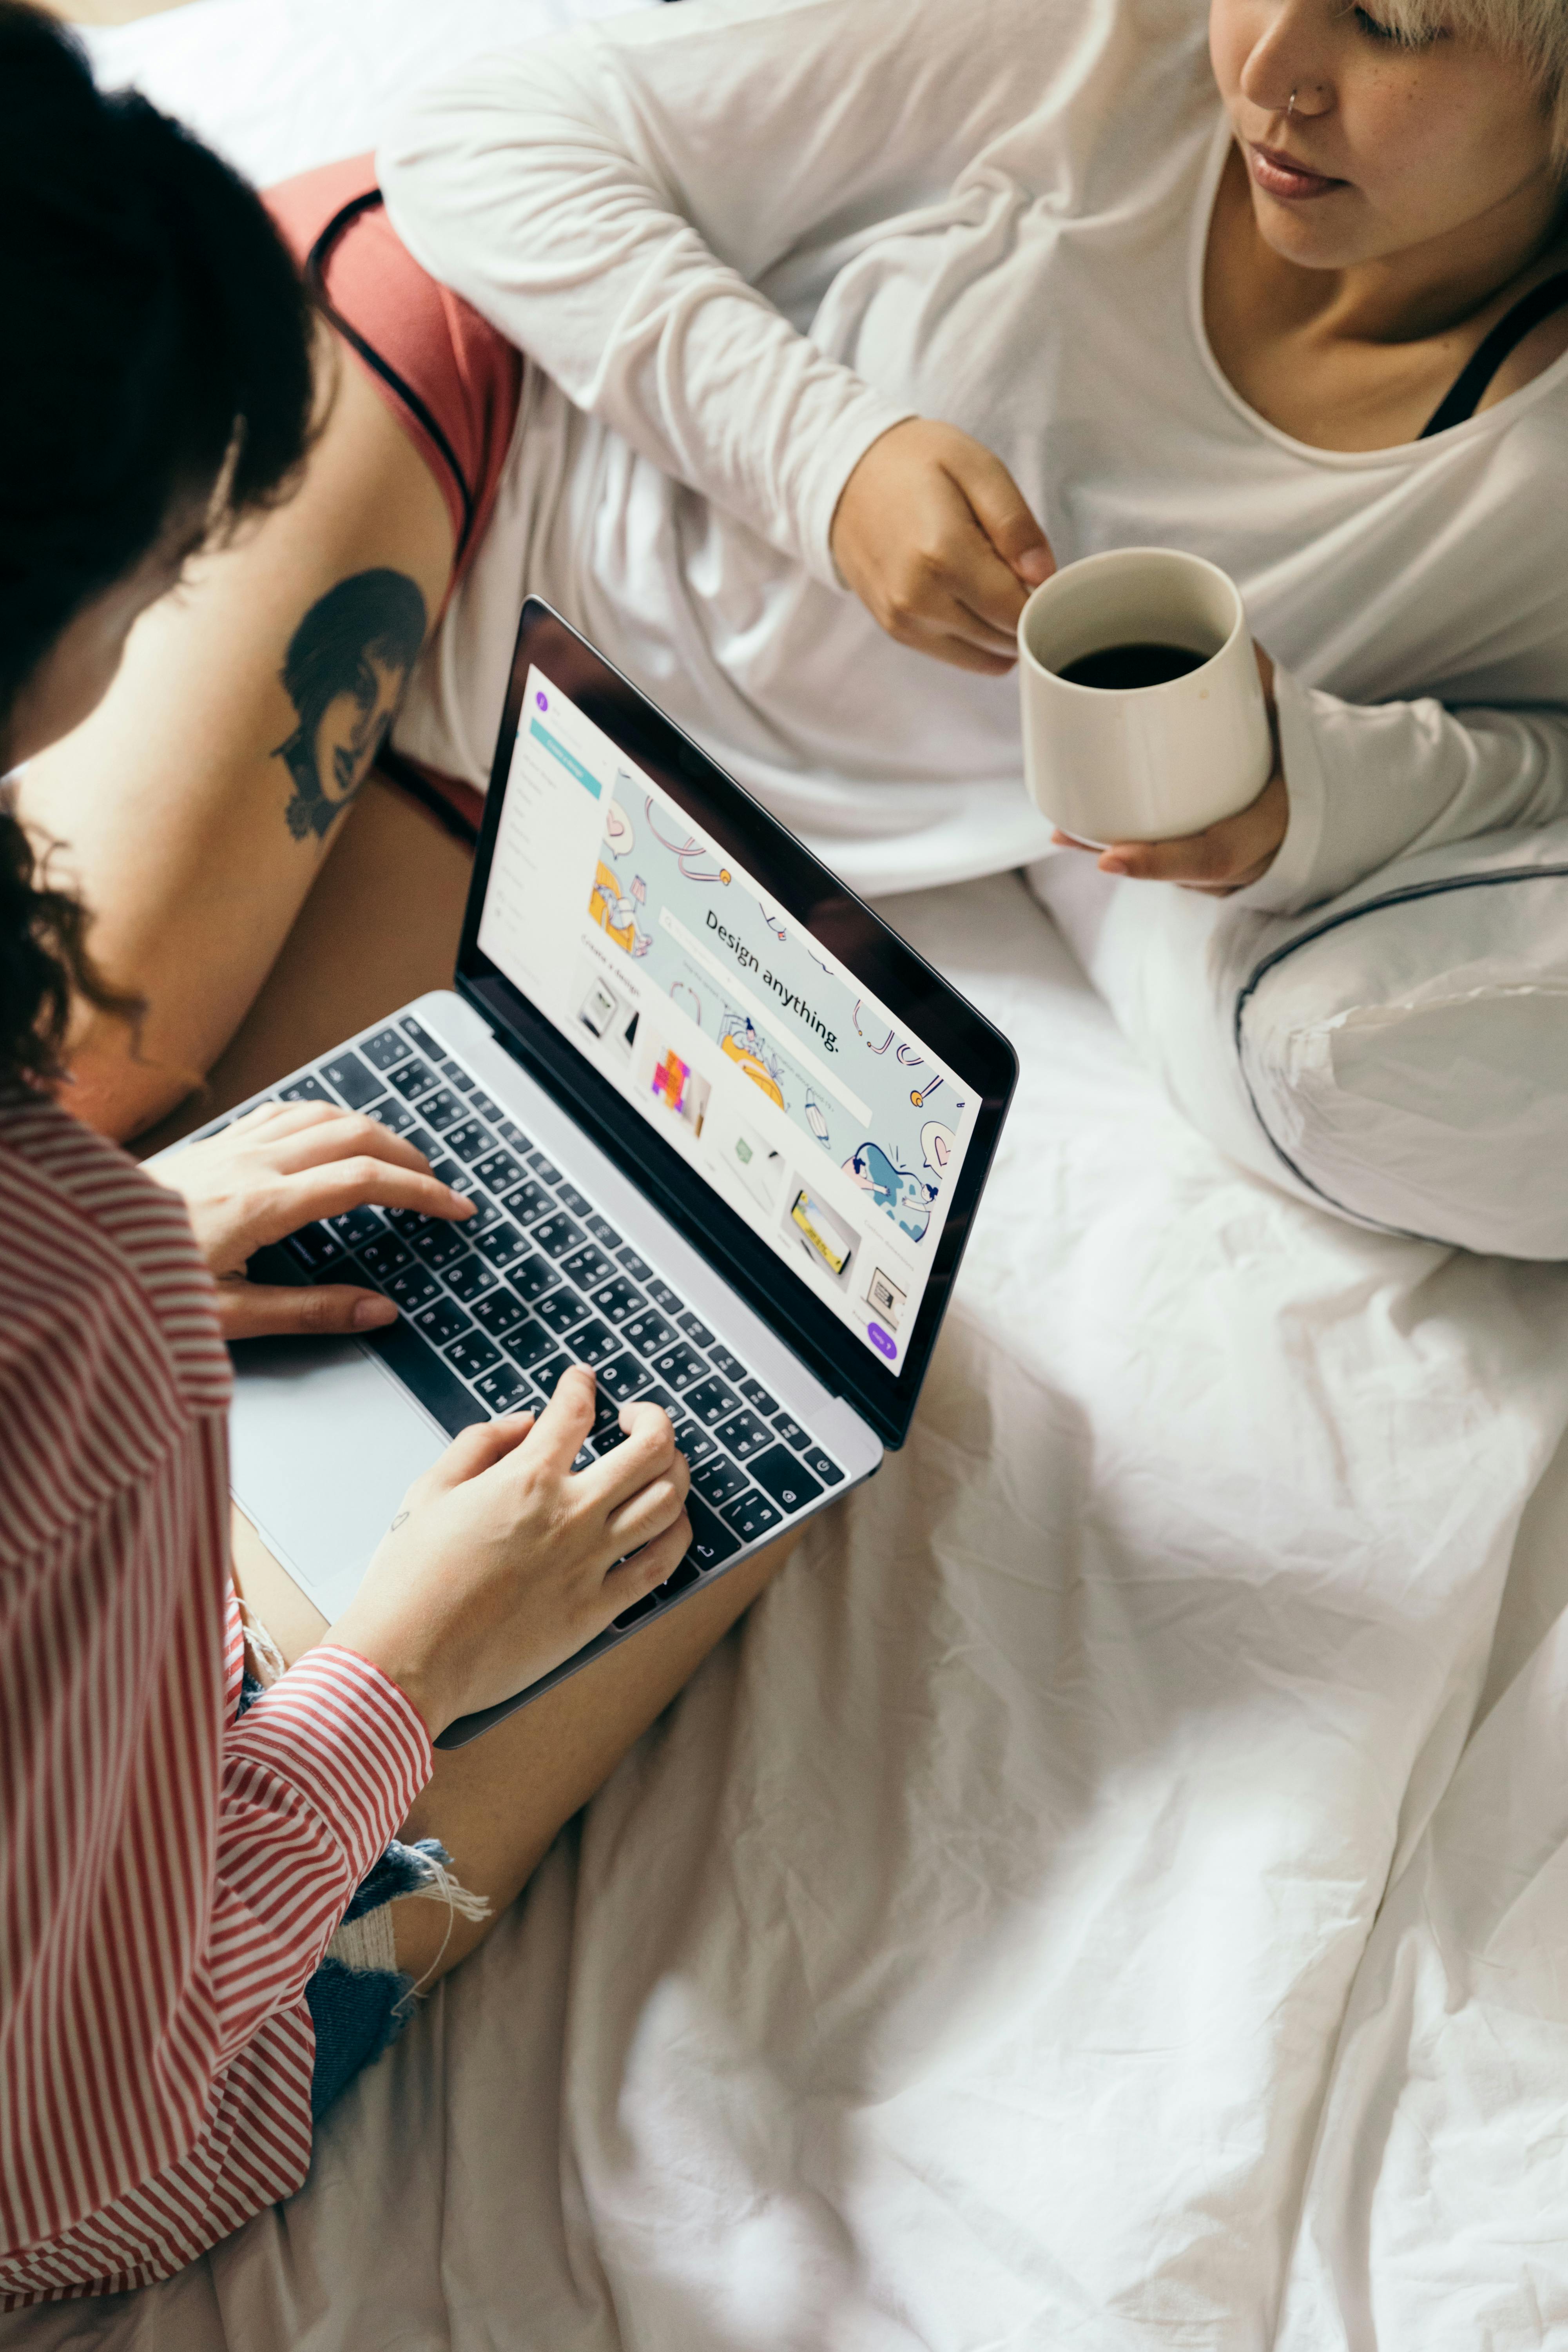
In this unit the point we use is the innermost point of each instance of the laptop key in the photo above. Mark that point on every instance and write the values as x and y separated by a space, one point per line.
468 1276
782 1477
643 1608
636 1266
390 1113
684 1578
501 1245
578 1202
718 1481
385 1048
468 1138
315 1247
384 1257
557 1234
822 1466
500 1313
530 1343
603 1230
755 1394
548 1376
680 1366
438 1243
442 1109
594 1344
709 1403
356 1082
356 1226
752 1516
509 1132
587 1266
695 1329
790 1431
622 1377
694 1443
412 1288
422 1038
712 1542
647 1333
486 1213
744 1435
412 1080
481 1103
561 1309
542 1165
662 1296
532 1278
455 1075
619 1298
502 1389
305 1090
501 1172
472 1354
442 1322
604 1441
730 1366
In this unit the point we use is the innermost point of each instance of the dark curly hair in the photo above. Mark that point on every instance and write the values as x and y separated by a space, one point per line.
158 354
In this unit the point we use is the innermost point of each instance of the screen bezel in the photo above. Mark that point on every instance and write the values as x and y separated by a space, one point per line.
786 871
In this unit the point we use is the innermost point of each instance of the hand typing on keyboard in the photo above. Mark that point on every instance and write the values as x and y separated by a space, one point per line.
284 1166
502 1563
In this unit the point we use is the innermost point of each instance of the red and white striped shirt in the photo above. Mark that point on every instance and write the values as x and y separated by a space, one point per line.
169 1878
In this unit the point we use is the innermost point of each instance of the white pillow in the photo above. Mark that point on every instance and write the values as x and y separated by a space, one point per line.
1399 1055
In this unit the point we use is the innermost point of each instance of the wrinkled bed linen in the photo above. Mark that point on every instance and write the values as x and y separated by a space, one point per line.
963 1961
986 1950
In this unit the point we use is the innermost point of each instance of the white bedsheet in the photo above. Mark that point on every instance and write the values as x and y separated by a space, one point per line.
963 1962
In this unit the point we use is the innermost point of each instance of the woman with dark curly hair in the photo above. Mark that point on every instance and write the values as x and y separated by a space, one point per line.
202 1849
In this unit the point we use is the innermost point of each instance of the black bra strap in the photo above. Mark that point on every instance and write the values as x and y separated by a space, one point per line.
1460 404
315 268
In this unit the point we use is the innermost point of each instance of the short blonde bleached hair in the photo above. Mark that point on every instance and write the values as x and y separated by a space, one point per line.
1533 31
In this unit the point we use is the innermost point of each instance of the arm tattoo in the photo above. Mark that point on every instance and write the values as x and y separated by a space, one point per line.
347 665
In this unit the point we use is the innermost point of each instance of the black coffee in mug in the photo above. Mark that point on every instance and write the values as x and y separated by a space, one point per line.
1117 667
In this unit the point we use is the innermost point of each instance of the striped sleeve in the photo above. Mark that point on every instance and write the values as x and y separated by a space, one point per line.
168 1878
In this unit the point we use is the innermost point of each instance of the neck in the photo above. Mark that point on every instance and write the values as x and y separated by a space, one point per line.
1421 291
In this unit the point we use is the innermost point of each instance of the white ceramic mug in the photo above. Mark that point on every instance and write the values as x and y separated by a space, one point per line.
1143 763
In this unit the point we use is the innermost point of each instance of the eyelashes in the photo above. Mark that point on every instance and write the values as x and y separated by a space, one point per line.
1389 36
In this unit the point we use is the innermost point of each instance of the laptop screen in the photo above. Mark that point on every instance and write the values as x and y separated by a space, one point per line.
810 1103
829 1127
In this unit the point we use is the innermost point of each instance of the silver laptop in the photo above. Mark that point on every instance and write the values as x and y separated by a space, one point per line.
726 1132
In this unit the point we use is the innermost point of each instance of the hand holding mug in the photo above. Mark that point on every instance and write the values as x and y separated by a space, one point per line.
1148 732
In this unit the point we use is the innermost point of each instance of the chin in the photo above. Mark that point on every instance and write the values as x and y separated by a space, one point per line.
1297 234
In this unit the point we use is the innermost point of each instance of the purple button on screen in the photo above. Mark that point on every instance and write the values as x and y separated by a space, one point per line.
880 1339
542 700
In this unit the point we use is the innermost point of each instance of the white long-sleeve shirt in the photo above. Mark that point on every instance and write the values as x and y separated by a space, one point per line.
739 238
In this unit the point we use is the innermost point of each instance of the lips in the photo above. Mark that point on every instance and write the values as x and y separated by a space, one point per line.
1282 175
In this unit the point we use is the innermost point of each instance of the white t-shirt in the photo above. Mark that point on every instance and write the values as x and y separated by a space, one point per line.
739 238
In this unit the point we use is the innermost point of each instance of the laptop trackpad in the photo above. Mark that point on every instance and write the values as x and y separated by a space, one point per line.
322 1446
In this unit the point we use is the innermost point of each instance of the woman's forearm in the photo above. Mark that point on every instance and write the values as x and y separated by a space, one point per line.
625 202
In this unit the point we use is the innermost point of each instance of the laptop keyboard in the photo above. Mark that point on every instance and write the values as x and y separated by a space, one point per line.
495 1309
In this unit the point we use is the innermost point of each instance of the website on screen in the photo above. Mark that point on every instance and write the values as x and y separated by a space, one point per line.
834 1134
